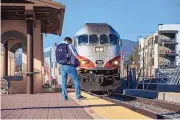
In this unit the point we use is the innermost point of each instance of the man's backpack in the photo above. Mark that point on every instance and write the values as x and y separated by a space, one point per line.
63 54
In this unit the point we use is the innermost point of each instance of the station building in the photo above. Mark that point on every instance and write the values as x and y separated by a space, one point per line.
22 26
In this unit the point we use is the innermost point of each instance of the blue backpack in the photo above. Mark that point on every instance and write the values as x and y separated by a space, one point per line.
64 56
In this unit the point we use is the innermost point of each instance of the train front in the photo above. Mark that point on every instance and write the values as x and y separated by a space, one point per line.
98 46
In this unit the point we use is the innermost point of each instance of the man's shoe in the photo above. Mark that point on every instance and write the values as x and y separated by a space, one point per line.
66 98
80 97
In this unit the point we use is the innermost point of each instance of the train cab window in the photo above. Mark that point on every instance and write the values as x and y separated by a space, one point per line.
93 39
113 39
104 39
75 42
83 40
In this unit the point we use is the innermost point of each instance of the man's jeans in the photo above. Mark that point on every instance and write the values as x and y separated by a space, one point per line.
71 71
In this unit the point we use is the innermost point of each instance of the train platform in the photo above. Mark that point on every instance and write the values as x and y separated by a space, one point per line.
52 106
167 96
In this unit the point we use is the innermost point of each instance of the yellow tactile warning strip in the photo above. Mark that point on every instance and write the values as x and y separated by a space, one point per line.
105 109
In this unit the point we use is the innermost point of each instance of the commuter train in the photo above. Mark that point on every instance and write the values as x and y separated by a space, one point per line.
98 46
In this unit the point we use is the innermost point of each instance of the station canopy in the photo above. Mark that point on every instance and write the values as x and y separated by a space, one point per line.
50 13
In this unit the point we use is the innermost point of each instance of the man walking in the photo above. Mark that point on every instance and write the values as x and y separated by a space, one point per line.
66 55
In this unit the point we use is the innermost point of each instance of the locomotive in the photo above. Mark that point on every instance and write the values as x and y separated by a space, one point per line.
98 46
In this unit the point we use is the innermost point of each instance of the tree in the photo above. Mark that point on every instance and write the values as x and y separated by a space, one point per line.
131 57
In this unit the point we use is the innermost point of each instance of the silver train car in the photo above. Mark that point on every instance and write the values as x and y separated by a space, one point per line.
99 47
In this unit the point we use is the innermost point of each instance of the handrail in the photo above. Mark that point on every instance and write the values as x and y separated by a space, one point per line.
162 78
176 76
138 77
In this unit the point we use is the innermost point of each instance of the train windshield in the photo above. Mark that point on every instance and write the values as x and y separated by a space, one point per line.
83 40
93 39
113 39
104 39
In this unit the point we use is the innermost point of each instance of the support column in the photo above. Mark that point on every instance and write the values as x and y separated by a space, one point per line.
30 62
5 67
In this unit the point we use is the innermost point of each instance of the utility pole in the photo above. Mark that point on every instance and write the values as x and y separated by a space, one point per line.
138 37
143 57
122 64
50 66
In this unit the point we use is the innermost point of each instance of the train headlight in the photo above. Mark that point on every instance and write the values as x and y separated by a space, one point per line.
83 62
101 49
116 62
97 49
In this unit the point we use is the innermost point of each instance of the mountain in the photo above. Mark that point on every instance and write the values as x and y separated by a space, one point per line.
127 47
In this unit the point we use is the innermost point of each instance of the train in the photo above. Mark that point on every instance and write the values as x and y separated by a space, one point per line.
99 48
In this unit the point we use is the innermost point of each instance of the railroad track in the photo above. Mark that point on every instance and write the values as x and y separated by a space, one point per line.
155 109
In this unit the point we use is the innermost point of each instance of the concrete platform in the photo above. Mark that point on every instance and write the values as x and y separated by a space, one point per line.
168 96
52 106
40 106
168 88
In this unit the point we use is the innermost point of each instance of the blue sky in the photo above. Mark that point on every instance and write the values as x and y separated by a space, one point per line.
131 18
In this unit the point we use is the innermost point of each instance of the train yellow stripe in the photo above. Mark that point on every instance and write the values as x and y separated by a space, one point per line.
106 109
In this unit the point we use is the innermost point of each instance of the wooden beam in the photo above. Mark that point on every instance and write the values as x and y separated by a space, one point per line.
61 20
36 3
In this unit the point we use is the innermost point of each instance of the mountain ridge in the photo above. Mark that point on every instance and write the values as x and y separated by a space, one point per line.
127 47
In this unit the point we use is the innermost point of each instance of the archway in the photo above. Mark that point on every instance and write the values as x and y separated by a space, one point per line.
12 41
13 34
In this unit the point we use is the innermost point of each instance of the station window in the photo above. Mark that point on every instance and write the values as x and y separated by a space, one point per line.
93 39
47 54
83 40
104 39
113 39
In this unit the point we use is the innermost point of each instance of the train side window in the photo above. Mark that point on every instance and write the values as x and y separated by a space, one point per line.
93 39
113 39
104 39
83 40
